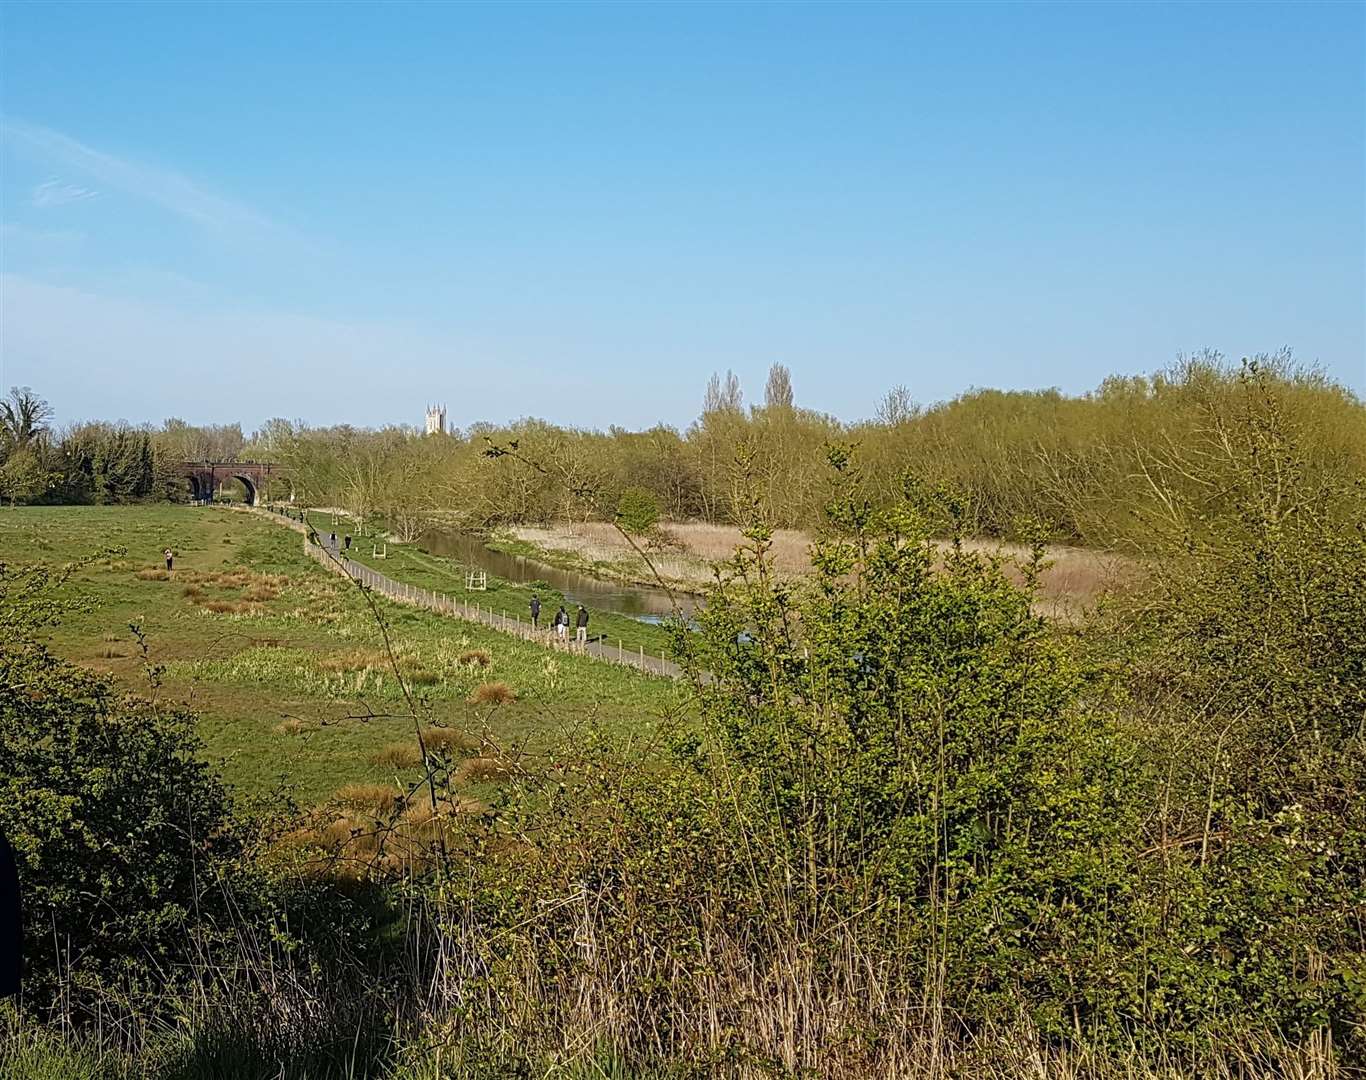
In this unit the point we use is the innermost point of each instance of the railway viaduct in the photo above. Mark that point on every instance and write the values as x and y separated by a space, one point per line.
206 476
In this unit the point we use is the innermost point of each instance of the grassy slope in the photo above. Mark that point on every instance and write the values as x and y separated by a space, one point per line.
310 653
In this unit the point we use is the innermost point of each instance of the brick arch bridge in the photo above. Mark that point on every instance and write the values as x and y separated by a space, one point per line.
206 476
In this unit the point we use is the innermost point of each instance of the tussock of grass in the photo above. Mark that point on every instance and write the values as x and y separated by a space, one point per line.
292 726
355 660
448 741
492 693
229 607
377 799
482 770
475 658
152 573
399 755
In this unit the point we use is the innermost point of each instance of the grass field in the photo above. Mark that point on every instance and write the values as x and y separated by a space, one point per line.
284 662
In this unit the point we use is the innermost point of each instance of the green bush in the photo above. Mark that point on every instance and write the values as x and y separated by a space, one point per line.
894 773
637 511
1245 660
118 827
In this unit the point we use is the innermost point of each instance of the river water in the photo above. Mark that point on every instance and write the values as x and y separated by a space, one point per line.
640 602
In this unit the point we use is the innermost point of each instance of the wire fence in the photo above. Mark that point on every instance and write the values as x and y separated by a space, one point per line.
462 608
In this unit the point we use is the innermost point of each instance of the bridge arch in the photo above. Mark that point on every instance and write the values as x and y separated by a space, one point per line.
248 486
206 476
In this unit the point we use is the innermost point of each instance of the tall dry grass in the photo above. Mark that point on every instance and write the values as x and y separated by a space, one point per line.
1072 583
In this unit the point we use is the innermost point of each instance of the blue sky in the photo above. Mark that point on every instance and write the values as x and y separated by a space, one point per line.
339 213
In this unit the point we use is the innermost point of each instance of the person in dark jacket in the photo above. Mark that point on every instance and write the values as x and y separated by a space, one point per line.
348 541
11 926
561 623
581 627
535 612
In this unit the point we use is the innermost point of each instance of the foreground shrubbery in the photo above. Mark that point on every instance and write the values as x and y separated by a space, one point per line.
915 830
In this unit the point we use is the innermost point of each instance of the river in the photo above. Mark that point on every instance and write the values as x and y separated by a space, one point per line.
641 602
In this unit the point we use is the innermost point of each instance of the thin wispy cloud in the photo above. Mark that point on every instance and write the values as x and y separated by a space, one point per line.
166 188
53 193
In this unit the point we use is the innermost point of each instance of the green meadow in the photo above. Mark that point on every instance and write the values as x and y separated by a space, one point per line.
286 664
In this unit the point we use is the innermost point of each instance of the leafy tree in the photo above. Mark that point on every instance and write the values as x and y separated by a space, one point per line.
637 511
22 476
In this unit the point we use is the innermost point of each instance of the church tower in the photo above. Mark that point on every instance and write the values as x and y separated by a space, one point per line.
436 419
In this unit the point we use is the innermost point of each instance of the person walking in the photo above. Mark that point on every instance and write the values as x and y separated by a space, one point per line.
170 559
332 541
348 541
562 623
535 612
581 627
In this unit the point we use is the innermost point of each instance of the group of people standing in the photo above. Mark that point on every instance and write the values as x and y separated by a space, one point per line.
561 622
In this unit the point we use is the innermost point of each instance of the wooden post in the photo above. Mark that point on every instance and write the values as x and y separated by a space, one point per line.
619 655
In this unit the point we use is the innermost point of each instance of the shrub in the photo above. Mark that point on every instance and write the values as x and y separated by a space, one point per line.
118 825
637 511
896 803
1246 664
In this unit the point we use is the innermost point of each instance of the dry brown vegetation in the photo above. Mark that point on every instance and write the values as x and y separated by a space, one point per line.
483 770
375 798
1073 581
492 693
410 666
449 741
398 755
292 726
476 658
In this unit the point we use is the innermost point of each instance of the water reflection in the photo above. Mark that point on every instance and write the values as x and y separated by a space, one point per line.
650 605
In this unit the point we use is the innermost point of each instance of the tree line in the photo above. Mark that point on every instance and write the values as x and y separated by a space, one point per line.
1084 468
98 461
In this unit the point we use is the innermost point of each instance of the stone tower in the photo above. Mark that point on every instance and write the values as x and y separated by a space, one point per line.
436 419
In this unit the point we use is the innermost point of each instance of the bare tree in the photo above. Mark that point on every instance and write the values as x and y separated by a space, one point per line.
897 407
723 395
778 392
24 419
